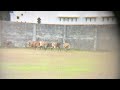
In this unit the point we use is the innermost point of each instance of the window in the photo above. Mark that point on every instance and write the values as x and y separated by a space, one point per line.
60 19
94 19
90 19
86 19
103 19
107 18
71 19
68 19
76 19
63 19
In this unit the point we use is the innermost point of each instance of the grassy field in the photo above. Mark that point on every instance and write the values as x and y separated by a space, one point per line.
29 63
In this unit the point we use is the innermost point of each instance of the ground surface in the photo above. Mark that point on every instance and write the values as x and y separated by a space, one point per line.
29 63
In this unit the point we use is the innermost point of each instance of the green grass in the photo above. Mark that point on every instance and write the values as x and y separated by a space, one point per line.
30 63
26 67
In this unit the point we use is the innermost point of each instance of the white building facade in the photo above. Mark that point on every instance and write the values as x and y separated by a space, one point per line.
64 17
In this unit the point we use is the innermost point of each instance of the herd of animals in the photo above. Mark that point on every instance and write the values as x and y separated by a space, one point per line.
45 45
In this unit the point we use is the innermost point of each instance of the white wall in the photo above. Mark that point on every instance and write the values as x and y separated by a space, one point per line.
51 17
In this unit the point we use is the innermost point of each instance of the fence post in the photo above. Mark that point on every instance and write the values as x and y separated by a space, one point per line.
25 34
34 32
64 34
95 40
0 34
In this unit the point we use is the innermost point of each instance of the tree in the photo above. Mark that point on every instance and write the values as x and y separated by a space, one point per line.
38 20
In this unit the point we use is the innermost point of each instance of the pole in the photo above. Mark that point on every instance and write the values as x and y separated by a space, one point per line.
34 32
64 34
95 40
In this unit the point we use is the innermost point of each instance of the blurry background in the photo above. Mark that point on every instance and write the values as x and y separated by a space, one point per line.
94 46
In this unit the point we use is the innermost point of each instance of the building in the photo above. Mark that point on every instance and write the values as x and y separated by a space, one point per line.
64 17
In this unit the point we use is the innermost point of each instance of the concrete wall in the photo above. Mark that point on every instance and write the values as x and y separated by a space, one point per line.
83 37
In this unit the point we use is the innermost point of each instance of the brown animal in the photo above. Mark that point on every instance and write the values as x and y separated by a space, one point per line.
34 44
66 46
43 44
56 45
49 45
8 44
37 44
